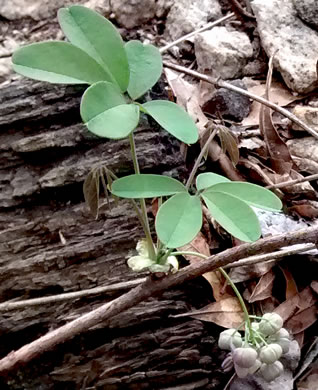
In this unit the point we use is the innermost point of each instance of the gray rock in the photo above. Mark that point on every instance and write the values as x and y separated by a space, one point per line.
231 105
295 44
36 9
307 10
223 52
186 16
133 13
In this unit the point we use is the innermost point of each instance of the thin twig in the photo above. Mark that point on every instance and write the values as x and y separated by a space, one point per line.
296 181
151 287
6 306
241 10
224 84
193 33
271 256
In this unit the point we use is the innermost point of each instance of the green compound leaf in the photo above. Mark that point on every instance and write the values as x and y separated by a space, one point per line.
100 97
234 215
146 186
145 66
174 119
251 194
97 36
208 179
57 62
116 123
179 220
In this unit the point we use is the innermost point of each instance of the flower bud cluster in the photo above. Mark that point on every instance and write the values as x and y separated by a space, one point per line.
260 349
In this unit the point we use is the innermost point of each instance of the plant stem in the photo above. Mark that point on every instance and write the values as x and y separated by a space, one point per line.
242 303
229 280
150 245
199 159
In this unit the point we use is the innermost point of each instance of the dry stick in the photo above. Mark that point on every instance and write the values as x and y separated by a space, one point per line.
6 306
271 256
150 288
296 181
193 33
224 84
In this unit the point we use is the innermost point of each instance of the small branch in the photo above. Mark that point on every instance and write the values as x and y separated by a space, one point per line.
149 288
224 84
296 181
193 33
241 10
271 256
6 306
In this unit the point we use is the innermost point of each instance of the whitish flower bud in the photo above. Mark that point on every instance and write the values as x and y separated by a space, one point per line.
270 353
244 357
255 326
271 371
270 324
230 338
240 371
282 338
256 366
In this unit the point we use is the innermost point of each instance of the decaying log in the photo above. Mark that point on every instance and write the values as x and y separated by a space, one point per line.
45 155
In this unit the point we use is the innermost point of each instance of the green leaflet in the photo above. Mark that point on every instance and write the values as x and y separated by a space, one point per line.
208 179
146 186
250 193
234 215
115 123
179 220
58 62
145 66
174 119
97 36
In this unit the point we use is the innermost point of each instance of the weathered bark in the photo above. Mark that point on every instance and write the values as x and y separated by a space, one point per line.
46 153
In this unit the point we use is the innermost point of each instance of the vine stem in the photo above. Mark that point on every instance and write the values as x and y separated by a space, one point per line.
241 300
199 159
150 245
229 280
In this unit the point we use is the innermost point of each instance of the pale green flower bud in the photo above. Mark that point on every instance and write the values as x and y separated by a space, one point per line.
270 324
271 371
244 357
230 338
282 338
270 353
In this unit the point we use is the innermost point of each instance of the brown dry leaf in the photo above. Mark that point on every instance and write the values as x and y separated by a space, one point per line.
298 302
229 144
187 95
306 210
302 320
216 280
310 381
248 272
291 286
280 157
227 313
280 95
264 287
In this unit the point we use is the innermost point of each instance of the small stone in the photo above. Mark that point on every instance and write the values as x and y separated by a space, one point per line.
186 16
229 104
223 53
133 13
307 114
307 10
294 43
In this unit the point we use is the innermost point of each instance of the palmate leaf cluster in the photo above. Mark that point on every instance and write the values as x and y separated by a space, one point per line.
179 219
118 73
96 55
